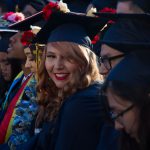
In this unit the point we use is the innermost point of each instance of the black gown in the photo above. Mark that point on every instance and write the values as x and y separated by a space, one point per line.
78 125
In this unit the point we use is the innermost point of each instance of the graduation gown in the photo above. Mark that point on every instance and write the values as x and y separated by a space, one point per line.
78 124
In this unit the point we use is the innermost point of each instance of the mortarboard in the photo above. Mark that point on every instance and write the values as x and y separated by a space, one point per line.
128 35
87 26
77 5
25 24
133 70
144 5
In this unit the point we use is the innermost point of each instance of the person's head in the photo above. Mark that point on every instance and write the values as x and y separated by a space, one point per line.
33 57
127 90
6 70
16 49
33 52
119 40
68 60
5 34
109 58
10 69
30 60
68 65
136 6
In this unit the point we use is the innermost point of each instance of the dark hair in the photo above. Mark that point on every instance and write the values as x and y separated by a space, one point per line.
139 96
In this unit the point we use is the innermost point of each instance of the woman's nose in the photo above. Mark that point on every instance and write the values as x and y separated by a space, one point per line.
27 64
118 125
59 64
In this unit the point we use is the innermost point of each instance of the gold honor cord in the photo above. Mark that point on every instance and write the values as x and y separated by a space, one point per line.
17 8
38 53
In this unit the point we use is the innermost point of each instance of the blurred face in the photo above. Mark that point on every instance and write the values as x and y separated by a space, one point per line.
29 11
60 68
110 58
127 121
6 70
3 57
128 7
30 61
16 49
124 7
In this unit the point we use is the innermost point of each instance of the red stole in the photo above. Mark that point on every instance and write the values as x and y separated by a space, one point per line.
9 113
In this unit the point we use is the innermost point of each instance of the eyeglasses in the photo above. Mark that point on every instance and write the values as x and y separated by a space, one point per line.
107 60
115 116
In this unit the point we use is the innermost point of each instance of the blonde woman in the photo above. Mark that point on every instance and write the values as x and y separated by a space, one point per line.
69 84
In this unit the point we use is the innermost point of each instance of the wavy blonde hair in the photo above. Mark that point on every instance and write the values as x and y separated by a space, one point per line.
50 97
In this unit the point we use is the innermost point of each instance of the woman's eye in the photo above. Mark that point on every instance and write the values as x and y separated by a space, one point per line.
50 56
31 59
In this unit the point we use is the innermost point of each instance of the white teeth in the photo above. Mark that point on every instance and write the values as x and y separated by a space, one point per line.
61 75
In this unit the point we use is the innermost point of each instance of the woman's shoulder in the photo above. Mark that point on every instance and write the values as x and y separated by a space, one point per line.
91 90
85 97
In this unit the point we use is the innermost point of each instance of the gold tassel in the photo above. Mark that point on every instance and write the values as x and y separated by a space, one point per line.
17 8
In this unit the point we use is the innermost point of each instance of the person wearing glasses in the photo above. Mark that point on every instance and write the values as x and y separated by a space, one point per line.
117 43
128 96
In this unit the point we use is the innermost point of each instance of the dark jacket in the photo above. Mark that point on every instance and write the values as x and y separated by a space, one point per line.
78 125
109 138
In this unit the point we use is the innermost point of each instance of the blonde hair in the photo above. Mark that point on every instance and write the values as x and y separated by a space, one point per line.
50 97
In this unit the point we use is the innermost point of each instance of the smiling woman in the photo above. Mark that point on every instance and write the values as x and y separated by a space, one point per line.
69 84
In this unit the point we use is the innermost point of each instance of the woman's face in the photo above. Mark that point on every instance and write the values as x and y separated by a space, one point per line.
128 121
30 61
60 68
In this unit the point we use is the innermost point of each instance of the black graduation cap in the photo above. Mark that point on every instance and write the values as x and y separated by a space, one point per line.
143 4
116 16
89 26
77 5
100 4
133 70
128 35
24 25
5 34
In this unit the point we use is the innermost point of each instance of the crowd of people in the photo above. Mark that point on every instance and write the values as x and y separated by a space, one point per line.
74 75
